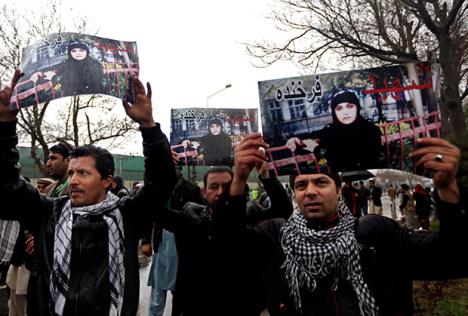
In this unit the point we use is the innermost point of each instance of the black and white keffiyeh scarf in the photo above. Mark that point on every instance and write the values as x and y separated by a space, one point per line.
9 232
60 275
312 255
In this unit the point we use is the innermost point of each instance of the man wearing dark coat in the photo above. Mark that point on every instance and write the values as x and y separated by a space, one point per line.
86 251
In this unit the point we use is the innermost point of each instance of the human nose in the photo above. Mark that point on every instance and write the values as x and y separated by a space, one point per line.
311 189
72 179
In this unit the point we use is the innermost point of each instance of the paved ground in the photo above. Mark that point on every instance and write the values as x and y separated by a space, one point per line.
145 292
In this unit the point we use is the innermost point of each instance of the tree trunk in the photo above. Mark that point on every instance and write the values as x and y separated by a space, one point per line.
450 96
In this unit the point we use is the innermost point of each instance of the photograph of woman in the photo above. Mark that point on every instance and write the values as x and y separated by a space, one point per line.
350 142
215 146
80 73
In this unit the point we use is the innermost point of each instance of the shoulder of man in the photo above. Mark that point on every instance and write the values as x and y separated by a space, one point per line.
193 213
50 188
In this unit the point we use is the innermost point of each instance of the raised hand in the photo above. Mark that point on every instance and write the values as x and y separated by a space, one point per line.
141 110
247 155
7 115
443 158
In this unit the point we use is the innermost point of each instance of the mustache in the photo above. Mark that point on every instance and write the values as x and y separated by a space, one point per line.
75 189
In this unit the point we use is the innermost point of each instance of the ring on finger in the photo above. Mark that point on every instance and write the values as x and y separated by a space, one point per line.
439 158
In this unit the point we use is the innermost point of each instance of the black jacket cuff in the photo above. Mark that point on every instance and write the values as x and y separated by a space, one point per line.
8 128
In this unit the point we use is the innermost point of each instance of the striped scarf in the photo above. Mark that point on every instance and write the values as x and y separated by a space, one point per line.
60 276
9 232
312 255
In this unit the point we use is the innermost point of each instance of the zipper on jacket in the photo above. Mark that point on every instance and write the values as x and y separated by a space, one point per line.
78 223
335 302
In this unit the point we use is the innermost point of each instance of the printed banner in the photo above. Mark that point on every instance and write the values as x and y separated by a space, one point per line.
353 120
206 136
68 64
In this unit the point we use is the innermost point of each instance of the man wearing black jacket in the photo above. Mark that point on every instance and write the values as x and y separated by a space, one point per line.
211 247
325 262
87 242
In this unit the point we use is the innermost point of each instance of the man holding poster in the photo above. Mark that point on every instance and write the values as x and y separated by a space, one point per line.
86 248
323 261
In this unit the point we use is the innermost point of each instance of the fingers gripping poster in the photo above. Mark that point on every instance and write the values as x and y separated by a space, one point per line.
70 64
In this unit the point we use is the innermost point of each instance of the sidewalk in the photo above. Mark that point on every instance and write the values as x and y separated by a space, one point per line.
145 292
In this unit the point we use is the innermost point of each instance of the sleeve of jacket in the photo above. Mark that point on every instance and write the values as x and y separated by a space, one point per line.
427 255
159 176
446 258
281 206
230 212
9 156
20 200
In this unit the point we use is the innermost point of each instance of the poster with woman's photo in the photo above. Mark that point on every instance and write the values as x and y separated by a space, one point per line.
206 136
349 121
70 64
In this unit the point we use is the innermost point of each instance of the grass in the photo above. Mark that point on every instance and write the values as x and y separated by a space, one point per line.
441 298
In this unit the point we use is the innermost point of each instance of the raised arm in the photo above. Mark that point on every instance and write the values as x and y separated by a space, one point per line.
246 156
438 255
443 158
6 115
20 200
159 174
280 206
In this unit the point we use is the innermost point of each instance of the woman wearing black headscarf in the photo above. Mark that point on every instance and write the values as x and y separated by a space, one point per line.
350 142
80 74
216 146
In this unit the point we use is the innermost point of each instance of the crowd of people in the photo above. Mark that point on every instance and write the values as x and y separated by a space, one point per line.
218 249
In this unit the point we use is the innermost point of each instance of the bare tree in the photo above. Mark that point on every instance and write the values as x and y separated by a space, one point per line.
389 31
86 120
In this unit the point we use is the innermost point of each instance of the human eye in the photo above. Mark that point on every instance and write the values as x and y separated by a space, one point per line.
338 108
83 172
322 182
300 185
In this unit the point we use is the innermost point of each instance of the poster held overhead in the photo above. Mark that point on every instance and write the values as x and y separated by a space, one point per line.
71 64
206 136
351 120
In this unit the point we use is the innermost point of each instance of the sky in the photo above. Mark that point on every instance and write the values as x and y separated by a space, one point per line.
189 50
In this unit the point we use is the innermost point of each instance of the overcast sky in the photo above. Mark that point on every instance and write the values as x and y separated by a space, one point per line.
188 49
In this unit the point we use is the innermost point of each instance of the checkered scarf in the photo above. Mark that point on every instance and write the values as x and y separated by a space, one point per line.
312 255
62 251
9 232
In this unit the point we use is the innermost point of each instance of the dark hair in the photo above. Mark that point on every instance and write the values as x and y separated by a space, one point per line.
119 181
63 148
104 160
405 186
217 169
